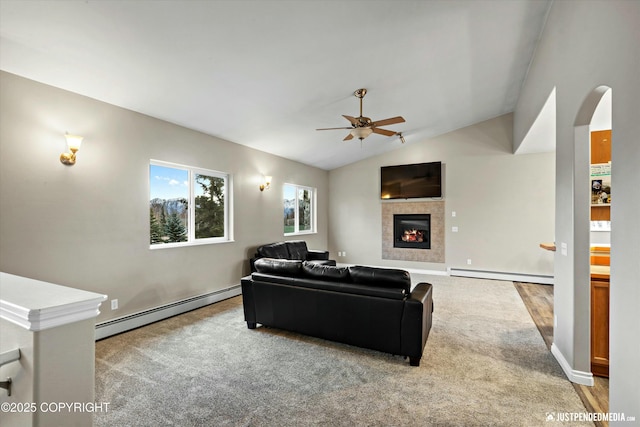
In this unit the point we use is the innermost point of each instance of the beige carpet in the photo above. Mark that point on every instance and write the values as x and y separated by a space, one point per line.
485 364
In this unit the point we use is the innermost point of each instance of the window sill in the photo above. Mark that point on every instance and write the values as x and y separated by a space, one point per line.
183 244
300 233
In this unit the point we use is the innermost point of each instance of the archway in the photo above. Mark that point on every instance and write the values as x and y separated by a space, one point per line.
590 117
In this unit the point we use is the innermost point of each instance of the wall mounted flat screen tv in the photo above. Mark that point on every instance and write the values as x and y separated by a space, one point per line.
411 181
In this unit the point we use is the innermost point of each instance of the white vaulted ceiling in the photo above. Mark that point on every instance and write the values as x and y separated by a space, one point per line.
267 73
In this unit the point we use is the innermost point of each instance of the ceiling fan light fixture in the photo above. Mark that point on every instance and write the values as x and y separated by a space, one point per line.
362 127
361 133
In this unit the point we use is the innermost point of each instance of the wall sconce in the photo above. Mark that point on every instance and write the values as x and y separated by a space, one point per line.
74 142
267 183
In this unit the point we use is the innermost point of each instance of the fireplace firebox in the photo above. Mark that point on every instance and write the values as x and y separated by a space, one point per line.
412 231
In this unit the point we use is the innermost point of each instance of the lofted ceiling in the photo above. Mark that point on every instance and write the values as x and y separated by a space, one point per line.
267 73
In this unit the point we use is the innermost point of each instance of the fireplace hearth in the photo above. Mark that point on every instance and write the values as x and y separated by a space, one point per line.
412 231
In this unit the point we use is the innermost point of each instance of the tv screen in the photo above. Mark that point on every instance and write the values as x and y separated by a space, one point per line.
411 181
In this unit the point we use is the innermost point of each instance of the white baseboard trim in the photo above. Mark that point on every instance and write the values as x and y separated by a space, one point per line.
578 377
132 321
429 272
497 275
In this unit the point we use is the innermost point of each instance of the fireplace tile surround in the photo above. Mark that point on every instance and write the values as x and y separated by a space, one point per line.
435 209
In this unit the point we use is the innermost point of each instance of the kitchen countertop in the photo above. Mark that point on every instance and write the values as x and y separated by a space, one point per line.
597 271
548 246
600 272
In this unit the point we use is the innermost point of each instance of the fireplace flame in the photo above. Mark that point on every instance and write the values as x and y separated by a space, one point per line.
413 235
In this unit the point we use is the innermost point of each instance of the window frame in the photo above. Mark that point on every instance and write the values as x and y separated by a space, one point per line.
191 205
313 198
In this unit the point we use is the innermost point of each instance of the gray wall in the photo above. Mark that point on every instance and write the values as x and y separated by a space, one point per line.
87 226
504 203
586 45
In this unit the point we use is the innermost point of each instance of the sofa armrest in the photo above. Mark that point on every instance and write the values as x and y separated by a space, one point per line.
416 322
248 302
317 255
252 263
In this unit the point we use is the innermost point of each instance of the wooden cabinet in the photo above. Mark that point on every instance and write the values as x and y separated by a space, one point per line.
600 146
600 324
601 153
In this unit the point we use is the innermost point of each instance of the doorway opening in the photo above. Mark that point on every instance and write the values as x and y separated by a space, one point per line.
594 196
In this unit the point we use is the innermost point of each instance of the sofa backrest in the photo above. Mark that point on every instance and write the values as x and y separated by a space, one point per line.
274 250
387 277
279 267
325 272
292 249
297 249
361 275
348 287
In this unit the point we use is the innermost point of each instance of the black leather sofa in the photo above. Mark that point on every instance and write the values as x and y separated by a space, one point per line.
293 250
362 306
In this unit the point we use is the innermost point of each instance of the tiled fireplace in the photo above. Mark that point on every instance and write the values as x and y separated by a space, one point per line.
413 231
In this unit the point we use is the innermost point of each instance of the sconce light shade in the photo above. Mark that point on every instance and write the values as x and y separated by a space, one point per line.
74 142
267 183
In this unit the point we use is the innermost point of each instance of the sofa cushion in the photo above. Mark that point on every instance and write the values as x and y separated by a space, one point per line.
323 261
280 267
274 250
297 249
385 277
315 270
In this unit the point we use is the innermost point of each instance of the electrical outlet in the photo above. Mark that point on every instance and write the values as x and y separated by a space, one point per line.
114 304
454 229
453 214
344 253
469 261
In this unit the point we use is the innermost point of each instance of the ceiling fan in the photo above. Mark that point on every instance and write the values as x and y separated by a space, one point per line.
361 127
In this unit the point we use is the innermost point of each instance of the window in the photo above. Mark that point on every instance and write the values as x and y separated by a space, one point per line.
299 209
187 205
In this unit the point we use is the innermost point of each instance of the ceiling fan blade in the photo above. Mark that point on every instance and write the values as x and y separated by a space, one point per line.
387 122
334 128
353 120
384 132
348 137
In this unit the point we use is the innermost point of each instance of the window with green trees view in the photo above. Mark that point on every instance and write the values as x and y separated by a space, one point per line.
187 205
299 209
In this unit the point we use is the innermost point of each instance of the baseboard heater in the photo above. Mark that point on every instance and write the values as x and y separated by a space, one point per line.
136 320
498 275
